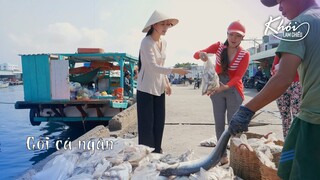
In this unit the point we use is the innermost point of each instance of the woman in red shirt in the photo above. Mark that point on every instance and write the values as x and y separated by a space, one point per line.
231 64
289 102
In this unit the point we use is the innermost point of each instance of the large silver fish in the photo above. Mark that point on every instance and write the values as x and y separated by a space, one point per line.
190 167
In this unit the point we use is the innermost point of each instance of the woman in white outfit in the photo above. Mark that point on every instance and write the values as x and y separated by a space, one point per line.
153 82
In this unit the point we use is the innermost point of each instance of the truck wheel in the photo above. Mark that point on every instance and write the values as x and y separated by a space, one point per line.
33 113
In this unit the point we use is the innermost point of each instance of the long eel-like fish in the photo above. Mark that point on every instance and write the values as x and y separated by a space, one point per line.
190 167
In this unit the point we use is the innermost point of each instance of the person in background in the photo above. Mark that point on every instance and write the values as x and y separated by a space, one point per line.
231 65
289 102
135 71
153 82
197 81
127 84
259 74
300 154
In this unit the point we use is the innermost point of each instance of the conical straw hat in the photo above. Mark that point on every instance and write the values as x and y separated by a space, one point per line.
158 17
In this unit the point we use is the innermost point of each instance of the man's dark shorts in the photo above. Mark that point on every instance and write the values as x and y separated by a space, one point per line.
300 157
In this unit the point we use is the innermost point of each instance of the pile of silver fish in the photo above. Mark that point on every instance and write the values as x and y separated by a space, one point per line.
265 148
124 160
210 78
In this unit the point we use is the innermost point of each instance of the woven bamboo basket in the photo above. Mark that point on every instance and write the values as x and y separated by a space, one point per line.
268 173
247 165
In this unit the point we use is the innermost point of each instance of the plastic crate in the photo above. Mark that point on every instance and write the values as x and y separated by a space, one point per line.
105 97
119 103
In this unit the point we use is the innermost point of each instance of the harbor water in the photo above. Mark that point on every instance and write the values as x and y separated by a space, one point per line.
16 154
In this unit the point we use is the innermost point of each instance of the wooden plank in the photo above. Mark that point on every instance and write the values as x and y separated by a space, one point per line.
36 77
59 82
83 113
43 77
62 104
99 113
90 50
71 119
28 66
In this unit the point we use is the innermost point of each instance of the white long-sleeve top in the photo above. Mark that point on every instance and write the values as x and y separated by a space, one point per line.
151 78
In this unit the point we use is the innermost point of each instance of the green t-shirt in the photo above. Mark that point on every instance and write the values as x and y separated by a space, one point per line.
308 49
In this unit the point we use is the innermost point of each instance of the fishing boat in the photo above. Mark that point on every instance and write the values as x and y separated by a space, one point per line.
76 87
3 84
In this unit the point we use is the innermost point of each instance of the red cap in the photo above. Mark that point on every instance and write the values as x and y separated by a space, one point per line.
237 27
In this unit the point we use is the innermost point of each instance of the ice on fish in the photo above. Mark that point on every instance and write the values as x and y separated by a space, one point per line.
61 167
146 170
134 154
101 167
121 171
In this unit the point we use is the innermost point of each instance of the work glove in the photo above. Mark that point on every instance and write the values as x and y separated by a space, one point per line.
240 120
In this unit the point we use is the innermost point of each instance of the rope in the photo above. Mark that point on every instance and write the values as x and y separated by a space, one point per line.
6 103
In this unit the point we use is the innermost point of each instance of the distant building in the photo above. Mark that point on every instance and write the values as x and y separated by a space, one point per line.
10 71
195 71
264 56
9 67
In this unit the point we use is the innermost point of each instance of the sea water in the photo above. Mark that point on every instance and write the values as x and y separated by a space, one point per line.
15 131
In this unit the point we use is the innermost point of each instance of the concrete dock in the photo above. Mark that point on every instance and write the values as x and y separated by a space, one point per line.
189 120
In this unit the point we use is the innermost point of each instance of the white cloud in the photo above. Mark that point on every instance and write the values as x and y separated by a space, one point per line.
61 33
117 27
129 42
59 37
105 15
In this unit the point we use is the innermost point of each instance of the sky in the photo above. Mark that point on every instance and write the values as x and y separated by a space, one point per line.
62 26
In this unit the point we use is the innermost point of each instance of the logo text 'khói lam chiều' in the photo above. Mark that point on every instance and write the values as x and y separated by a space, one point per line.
290 32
